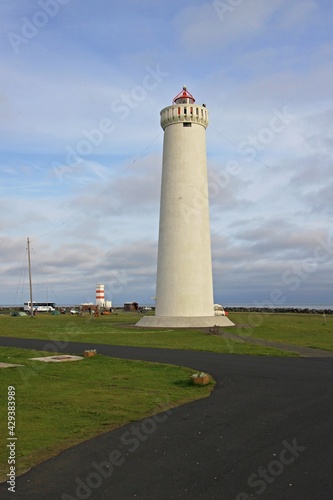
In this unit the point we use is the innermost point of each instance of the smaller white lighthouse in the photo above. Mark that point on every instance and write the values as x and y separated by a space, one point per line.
100 295
184 288
100 298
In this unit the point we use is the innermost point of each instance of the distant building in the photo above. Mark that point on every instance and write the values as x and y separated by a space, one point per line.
131 306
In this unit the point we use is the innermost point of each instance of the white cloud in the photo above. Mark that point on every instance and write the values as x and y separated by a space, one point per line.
299 14
221 23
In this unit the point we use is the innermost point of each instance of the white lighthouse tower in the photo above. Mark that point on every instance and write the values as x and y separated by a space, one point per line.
184 288
100 295
100 298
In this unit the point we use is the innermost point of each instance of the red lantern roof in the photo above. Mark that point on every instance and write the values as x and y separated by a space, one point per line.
183 97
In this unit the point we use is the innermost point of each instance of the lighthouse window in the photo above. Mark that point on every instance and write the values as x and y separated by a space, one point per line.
185 111
187 124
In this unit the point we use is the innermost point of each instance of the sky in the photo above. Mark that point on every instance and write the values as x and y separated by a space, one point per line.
82 86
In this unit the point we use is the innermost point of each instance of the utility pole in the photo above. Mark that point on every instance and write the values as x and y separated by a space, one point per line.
30 282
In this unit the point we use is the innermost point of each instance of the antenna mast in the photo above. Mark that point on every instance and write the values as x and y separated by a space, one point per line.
30 282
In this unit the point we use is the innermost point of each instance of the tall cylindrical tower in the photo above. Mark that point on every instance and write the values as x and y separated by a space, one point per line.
184 271
184 288
100 295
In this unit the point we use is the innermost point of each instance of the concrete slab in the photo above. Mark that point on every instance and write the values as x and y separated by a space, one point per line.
183 321
8 365
58 359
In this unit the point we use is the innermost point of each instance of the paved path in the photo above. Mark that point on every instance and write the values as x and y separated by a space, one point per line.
265 432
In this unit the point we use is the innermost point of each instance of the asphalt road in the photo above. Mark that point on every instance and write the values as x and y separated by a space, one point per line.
265 432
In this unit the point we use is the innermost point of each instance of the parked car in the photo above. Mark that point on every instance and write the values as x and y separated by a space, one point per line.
219 311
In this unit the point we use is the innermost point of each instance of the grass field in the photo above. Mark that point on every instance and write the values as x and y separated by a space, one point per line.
299 329
57 407
295 329
120 330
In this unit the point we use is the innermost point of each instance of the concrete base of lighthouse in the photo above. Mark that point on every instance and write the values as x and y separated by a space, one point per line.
183 321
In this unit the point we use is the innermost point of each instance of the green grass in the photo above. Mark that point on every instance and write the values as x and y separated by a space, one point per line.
299 329
120 330
61 404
